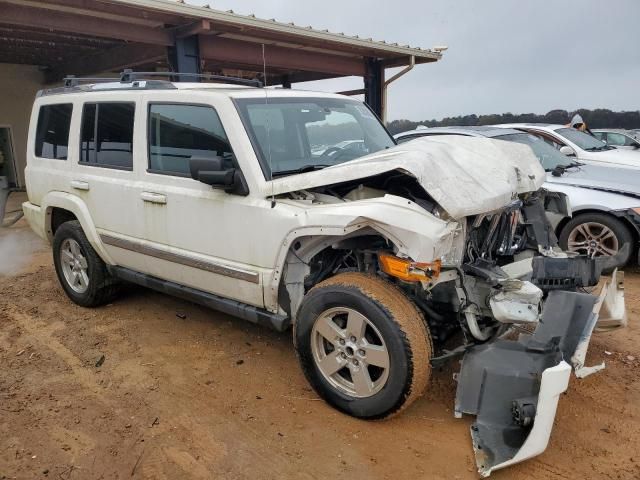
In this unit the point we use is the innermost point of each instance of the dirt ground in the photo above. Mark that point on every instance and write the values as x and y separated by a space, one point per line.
154 387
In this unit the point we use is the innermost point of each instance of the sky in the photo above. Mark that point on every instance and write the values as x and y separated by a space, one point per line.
518 56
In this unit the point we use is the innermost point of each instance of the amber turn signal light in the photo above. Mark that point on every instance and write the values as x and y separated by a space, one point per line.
407 270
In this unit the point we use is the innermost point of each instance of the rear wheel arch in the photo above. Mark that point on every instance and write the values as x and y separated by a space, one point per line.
56 216
62 207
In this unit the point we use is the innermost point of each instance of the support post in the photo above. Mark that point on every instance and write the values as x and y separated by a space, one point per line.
185 57
374 85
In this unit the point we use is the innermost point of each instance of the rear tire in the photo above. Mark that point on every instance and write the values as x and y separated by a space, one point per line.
363 345
596 234
82 273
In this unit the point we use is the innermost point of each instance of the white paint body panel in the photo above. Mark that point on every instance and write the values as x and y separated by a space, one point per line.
555 381
517 306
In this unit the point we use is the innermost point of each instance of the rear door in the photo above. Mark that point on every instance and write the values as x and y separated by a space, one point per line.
106 171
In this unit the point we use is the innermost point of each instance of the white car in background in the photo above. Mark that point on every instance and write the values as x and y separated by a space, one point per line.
619 138
604 199
574 143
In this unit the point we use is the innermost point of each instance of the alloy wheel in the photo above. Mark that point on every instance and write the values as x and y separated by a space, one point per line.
350 352
74 265
593 239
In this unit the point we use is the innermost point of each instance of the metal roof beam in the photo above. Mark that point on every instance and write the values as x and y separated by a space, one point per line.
250 54
81 24
195 28
25 34
106 9
112 60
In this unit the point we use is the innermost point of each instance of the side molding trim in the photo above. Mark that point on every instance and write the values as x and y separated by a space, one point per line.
187 260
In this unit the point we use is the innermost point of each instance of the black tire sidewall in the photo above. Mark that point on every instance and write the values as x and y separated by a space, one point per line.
73 230
397 387
618 228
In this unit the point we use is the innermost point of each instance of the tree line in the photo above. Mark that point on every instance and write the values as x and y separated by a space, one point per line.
598 118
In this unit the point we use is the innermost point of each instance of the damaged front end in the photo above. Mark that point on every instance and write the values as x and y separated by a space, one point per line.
465 235
512 386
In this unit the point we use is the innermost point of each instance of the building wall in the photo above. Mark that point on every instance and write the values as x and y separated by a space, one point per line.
18 87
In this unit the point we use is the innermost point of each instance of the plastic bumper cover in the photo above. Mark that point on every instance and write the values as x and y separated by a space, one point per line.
513 387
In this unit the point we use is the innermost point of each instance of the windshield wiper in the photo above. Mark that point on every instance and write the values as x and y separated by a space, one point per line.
305 169
558 170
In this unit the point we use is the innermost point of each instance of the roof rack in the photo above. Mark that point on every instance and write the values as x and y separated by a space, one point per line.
71 81
141 80
128 76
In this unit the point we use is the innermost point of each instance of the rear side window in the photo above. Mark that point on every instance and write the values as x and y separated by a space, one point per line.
179 132
52 133
107 135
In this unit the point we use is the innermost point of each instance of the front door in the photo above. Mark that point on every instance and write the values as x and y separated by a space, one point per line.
198 237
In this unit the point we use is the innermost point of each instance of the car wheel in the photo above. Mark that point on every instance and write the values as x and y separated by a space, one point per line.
81 272
595 235
363 345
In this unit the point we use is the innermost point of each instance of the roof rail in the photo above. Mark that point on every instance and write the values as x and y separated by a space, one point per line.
128 76
71 81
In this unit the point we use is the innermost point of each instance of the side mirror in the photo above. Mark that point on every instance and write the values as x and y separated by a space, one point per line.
568 151
213 171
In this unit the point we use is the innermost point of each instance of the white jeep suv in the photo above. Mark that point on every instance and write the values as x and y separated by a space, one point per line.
385 259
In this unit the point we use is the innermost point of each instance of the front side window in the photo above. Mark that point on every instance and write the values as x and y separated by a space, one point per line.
179 132
106 138
52 132
293 135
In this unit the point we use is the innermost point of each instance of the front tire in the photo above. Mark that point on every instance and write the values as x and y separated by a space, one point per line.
595 235
82 273
363 345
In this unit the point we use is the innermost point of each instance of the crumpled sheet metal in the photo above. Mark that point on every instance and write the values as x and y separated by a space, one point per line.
526 376
465 176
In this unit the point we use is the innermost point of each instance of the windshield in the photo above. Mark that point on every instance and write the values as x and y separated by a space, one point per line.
549 157
582 140
291 135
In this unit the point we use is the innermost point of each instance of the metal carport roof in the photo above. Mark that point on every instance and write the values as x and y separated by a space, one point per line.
87 37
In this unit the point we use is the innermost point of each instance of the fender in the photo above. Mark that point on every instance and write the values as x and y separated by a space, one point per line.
76 206
415 233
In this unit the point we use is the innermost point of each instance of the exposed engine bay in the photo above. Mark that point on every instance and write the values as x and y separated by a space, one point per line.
511 304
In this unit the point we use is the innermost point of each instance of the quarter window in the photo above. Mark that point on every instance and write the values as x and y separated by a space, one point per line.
52 132
179 132
107 135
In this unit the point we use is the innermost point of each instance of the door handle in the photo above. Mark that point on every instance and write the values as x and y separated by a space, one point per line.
80 185
151 197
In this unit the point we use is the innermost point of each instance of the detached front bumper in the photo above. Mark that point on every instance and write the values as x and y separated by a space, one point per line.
513 386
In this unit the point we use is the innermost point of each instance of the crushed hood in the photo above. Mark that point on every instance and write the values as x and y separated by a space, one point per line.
464 175
601 177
